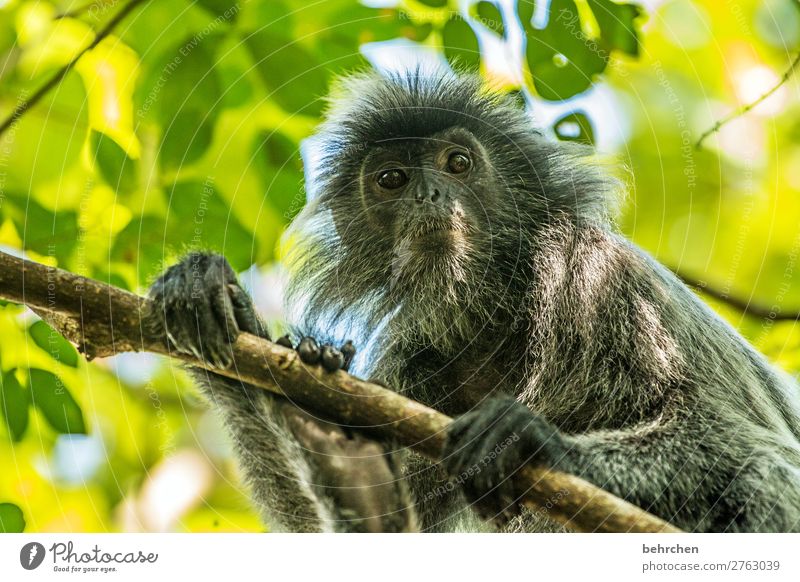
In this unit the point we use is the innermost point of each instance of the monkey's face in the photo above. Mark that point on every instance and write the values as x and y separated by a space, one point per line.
428 197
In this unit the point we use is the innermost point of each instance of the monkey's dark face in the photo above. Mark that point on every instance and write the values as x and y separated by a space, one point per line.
427 196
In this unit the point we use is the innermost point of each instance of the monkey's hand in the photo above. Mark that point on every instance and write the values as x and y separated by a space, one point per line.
487 446
200 306
356 473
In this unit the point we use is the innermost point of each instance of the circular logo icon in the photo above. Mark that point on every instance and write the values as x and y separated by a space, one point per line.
31 555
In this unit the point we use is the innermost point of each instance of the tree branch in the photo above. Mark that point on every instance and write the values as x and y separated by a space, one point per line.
26 104
103 321
747 107
762 311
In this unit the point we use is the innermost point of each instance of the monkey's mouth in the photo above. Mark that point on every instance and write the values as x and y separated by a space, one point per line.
430 236
439 228
437 240
432 246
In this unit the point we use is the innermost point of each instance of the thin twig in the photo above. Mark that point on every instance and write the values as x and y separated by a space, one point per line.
22 107
745 108
79 10
748 307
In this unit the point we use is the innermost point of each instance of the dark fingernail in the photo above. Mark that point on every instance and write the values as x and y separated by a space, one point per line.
332 359
309 350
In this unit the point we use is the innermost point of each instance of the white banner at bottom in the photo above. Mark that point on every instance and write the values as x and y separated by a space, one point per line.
400 557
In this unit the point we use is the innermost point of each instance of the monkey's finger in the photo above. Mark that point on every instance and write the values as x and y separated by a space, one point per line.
213 336
223 312
459 456
309 350
216 280
456 444
181 326
348 350
285 341
244 312
332 359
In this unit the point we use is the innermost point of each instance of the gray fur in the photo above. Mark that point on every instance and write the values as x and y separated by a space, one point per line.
666 404
539 298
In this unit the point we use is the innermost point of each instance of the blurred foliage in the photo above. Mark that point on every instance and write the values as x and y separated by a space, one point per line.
183 129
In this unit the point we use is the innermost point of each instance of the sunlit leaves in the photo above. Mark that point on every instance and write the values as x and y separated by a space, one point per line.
617 24
559 56
15 401
117 169
233 71
186 138
296 88
222 9
278 163
48 394
143 244
197 217
51 397
43 145
338 35
200 218
53 343
8 34
110 71
183 94
47 42
11 519
460 43
47 232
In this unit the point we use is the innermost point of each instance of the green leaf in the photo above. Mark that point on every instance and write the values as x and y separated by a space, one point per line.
525 9
51 397
296 88
184 94
279 165
224 10
186 138
460 43
562 60
617 25
11 519
489 16
47 232
232 67
43 148
142 243
434 3
117 169
338 36
15 403
575 127
200 218
54 343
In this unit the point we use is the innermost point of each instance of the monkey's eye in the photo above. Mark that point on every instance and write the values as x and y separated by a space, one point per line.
458 163
392 179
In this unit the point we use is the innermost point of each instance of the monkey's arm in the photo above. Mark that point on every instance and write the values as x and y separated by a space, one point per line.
305 474
685 470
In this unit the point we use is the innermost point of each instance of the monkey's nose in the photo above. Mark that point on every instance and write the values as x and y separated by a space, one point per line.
435 195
